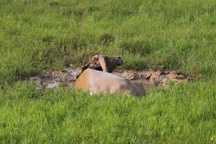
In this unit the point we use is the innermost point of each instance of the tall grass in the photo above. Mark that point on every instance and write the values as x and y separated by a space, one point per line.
41 35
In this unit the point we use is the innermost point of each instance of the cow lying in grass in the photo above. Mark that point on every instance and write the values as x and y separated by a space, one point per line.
97 82
103 82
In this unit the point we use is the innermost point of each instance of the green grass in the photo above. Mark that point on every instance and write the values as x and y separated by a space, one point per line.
41 35
181 113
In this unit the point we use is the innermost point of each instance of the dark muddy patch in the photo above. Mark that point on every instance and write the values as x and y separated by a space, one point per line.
148 78
56 79
151 79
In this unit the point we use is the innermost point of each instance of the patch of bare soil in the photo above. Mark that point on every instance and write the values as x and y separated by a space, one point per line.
148 78
56 79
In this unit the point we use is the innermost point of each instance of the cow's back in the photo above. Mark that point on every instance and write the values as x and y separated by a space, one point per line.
103 82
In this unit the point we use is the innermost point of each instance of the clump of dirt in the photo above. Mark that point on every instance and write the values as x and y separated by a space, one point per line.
148 78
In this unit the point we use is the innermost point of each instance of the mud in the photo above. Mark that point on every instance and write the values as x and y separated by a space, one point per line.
56 79
148 78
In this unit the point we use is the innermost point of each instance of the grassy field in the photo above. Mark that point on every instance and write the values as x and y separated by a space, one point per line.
37 36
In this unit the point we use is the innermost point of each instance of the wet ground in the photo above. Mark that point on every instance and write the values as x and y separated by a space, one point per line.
148 78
